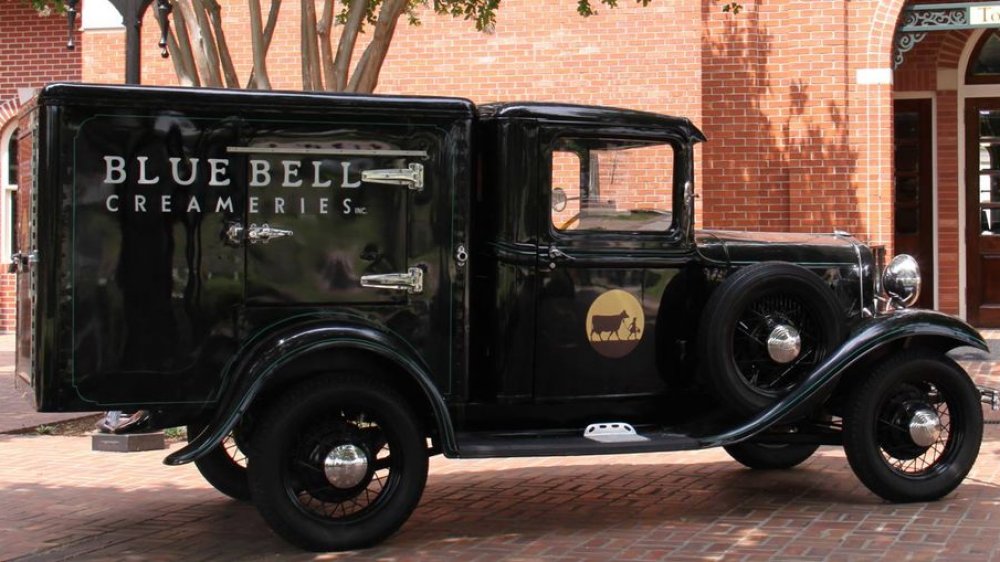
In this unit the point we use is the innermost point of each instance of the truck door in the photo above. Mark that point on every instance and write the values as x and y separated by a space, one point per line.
608 247
151 283
328 211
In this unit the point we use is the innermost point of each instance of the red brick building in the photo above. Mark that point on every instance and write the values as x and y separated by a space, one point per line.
798 99
32 52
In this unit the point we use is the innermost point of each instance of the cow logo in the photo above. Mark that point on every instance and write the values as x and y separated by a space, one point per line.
615 324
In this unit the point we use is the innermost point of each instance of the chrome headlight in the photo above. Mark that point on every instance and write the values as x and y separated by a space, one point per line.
901 280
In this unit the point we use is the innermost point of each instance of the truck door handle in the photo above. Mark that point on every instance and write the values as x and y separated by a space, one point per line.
556 255
236 233
264 233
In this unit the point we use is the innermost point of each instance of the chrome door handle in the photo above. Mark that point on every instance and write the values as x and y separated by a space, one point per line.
557 255
236 233
264 233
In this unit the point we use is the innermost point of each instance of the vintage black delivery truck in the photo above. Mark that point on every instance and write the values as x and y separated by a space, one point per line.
328 289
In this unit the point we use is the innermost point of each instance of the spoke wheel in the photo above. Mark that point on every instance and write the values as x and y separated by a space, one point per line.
225 466
766 456
913 430
764 330
341 464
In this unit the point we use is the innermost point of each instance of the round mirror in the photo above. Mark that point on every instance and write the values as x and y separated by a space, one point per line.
559 199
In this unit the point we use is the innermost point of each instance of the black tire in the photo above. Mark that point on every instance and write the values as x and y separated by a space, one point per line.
362 418
877 438
738 319
225 467
765 456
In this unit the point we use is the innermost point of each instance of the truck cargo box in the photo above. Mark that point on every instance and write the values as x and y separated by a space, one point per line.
167 226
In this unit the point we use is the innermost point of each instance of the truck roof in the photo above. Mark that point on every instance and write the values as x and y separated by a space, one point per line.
587 114
461 108
169 96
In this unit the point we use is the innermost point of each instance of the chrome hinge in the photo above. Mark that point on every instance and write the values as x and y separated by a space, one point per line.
412 281
19 262
412 177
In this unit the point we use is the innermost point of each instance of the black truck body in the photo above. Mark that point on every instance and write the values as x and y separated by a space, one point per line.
517 279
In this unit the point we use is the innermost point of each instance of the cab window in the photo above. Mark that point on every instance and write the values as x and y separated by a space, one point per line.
611 185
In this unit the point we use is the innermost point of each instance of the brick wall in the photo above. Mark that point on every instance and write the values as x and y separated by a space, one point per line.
791 134
33 53
34 49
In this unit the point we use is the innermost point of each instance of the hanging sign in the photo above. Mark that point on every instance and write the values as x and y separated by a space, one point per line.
987 14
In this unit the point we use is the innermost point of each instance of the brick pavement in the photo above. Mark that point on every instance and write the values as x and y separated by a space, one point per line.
60 501
15 409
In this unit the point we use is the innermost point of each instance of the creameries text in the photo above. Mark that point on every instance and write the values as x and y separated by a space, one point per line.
215 173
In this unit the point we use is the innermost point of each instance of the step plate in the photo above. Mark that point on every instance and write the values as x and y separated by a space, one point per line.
613 432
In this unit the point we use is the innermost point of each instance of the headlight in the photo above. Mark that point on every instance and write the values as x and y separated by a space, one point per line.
901 280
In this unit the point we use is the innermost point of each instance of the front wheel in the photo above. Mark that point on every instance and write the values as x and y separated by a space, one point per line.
341 463
912 431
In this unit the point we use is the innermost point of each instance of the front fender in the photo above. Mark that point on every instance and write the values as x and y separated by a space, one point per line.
944 331
266 354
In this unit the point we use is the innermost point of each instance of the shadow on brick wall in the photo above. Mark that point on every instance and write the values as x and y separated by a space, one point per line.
779 156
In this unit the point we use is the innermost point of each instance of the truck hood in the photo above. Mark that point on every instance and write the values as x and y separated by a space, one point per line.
732 247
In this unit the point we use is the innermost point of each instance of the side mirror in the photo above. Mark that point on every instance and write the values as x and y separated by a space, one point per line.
559 199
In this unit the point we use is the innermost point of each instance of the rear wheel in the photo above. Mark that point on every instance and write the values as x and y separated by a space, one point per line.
765 456
341 463
913 430
225 466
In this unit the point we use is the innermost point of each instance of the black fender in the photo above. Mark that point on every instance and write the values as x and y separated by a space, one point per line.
942 331
260 360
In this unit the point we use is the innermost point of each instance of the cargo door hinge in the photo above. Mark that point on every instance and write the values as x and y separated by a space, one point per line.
412 281
412 176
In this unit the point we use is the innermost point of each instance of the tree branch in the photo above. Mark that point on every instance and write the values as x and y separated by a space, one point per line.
185 76
366 72
228 70
272 21
207 58
258 77
348 39
183 45
325 50
311 72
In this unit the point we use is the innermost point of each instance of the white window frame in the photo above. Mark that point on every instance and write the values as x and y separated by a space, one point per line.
6 190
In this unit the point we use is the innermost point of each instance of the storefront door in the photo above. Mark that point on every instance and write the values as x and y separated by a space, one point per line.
982 204
914 225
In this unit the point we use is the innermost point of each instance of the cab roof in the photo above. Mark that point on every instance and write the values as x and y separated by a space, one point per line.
587 115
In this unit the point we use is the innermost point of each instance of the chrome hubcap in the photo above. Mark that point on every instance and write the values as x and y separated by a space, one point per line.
925 427
345 466
784 343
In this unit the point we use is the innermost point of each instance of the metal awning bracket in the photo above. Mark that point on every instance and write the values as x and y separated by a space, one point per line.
919 19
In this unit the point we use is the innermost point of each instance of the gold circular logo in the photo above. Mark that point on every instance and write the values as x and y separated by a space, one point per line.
615 324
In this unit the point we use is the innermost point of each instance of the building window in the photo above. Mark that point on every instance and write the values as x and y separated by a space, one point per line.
8 193
984 64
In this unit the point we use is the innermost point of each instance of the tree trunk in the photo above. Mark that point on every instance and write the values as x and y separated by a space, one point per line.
325 49
184 45
348 39
258 78
312 74
366 72
228 70
184 75
206 57
272 21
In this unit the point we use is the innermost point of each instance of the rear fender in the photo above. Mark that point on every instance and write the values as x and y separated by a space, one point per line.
942 331
259 364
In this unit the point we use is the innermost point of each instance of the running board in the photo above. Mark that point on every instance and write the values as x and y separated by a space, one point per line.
559 444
